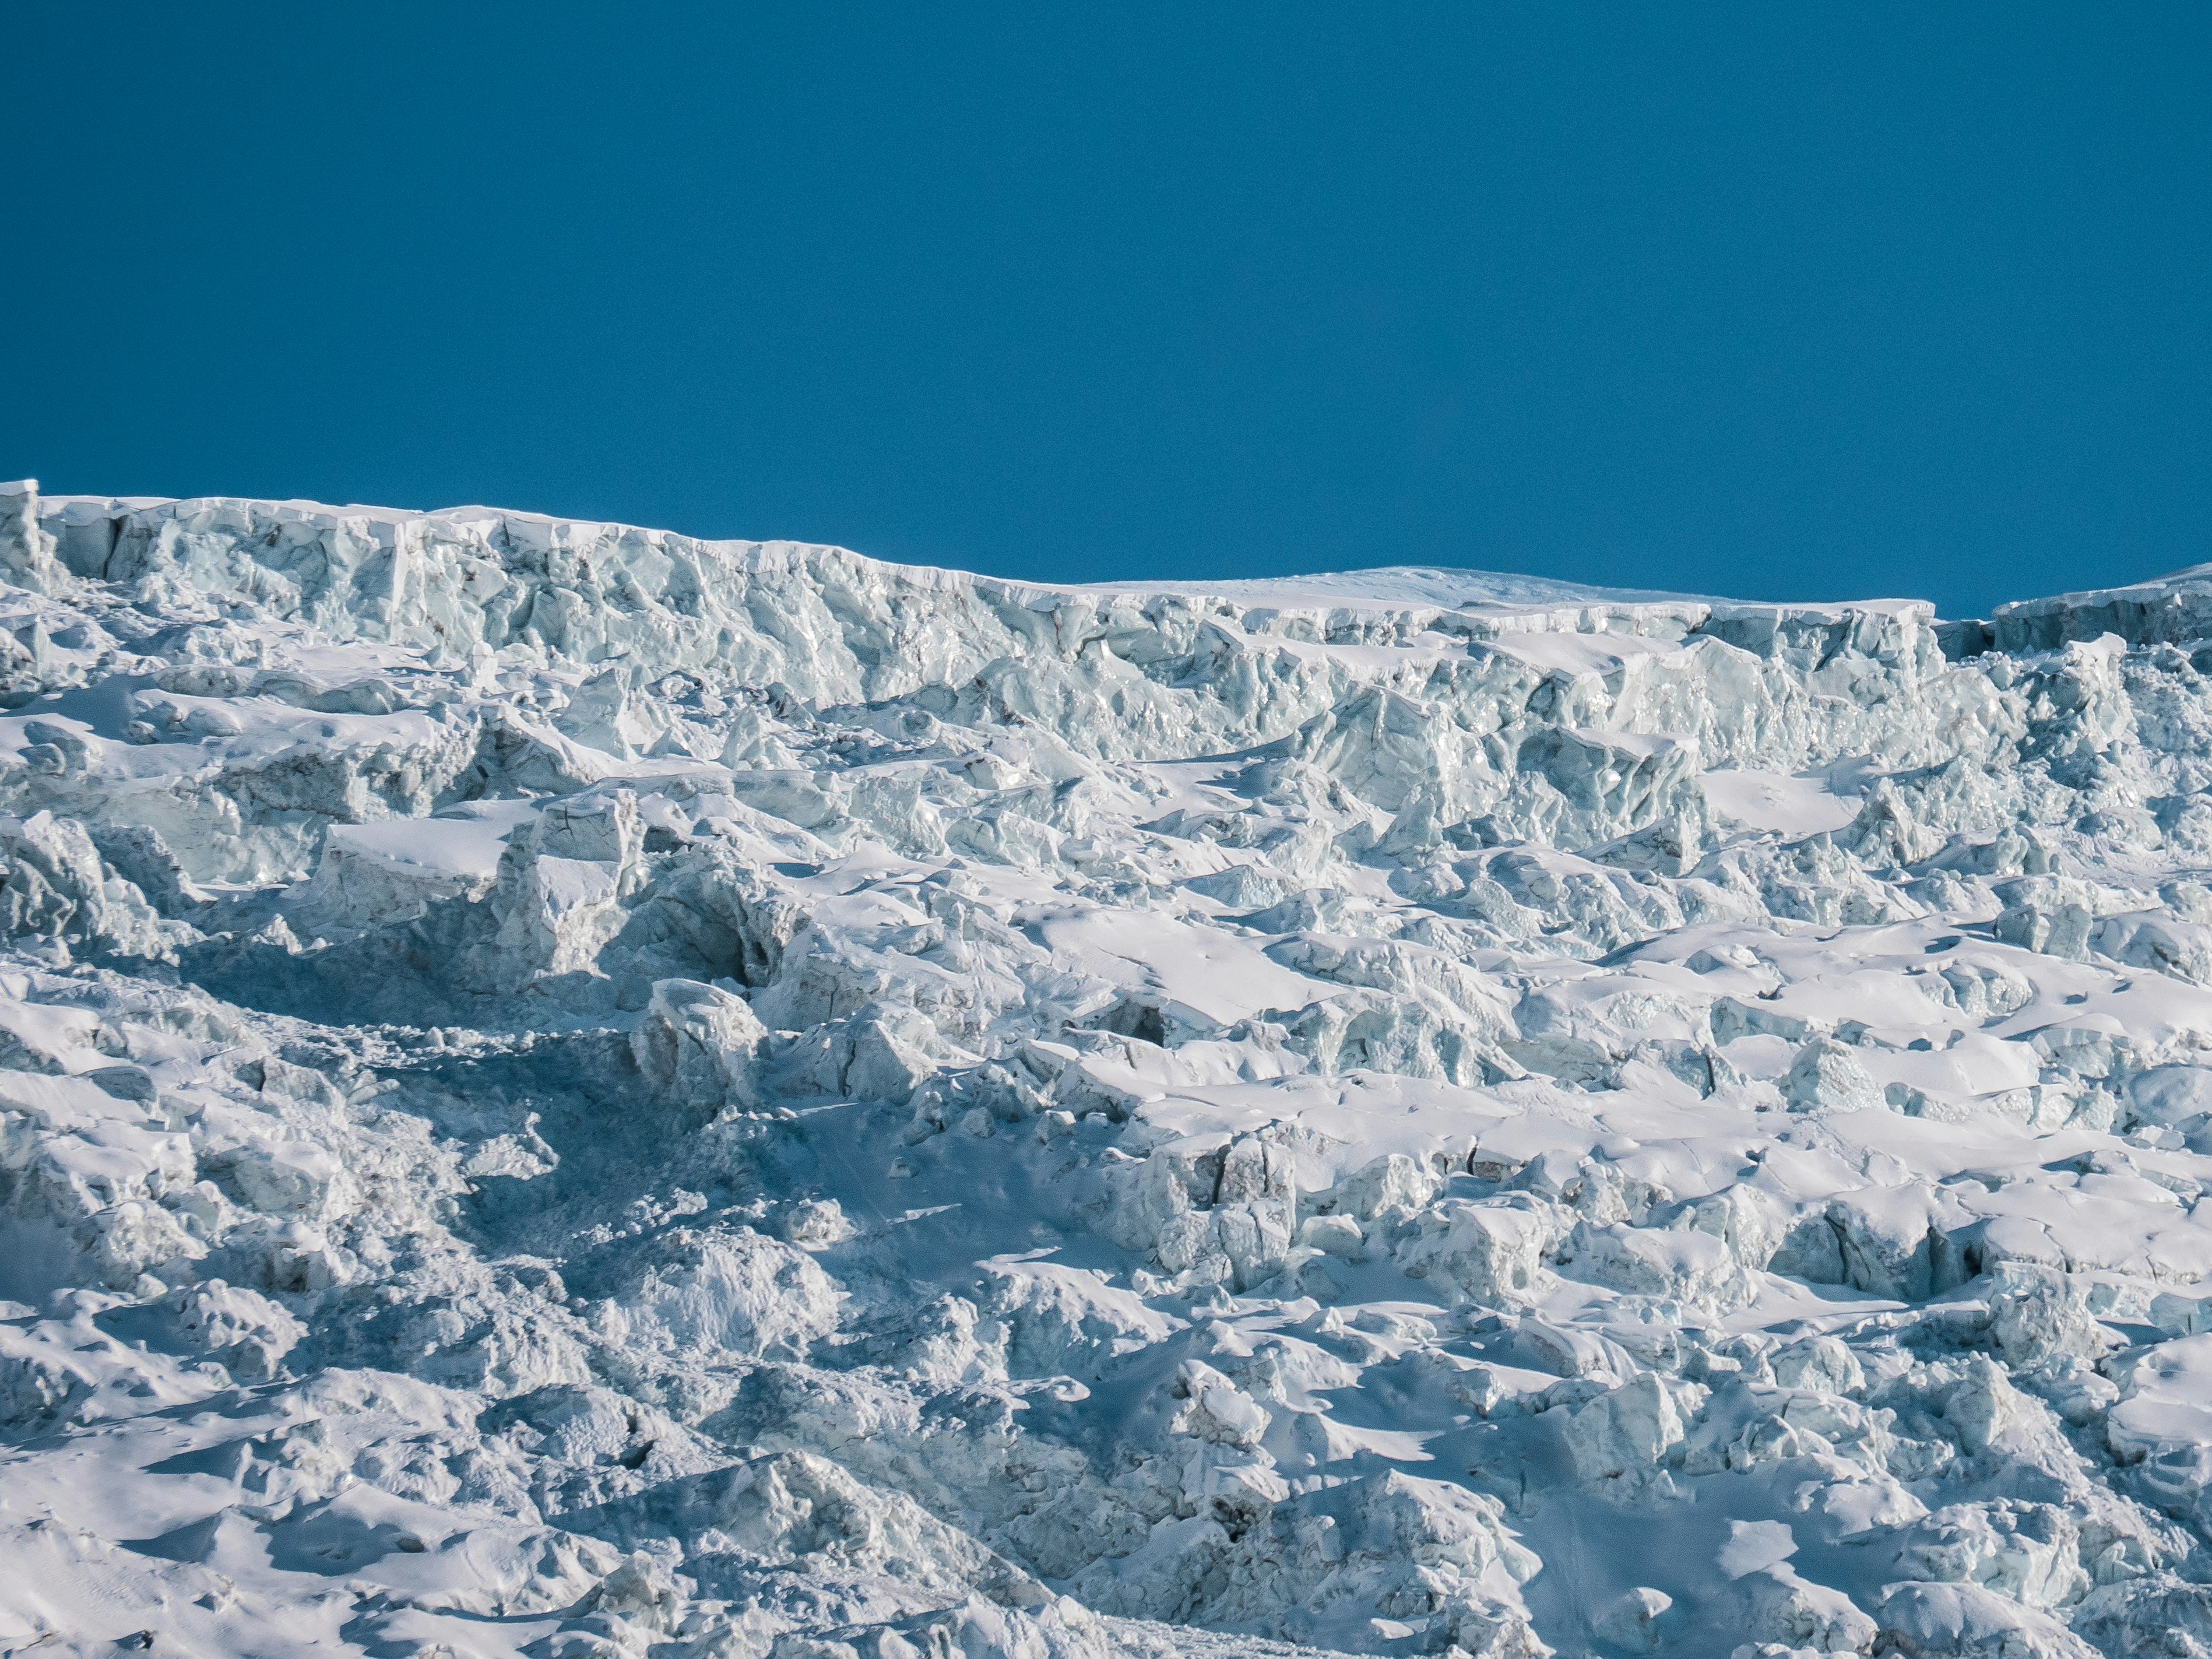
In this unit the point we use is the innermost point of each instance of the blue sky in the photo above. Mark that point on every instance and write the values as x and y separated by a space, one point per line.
1784 300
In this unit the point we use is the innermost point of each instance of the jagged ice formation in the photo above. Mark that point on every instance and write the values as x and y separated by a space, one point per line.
573 1091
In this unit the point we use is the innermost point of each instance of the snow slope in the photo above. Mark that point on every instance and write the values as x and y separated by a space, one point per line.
570 1090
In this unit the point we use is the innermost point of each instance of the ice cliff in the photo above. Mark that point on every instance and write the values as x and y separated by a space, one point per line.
568 1090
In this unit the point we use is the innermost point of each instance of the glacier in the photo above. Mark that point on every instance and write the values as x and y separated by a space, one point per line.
574 1091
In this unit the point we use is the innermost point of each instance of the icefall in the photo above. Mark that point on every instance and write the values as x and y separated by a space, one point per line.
570 1090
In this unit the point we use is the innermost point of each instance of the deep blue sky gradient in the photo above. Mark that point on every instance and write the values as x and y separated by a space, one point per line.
1780 300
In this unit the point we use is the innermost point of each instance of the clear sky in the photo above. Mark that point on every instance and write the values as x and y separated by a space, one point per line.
1788 300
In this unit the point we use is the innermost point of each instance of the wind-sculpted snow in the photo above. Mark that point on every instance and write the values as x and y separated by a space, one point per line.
566 1091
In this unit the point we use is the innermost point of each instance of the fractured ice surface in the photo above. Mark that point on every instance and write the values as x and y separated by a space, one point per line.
570 1090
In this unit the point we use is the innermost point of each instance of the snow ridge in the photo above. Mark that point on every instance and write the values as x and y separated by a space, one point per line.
570 1090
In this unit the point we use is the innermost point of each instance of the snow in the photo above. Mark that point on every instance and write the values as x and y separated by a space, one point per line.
1405 585
1225 979
1793 807
570 1090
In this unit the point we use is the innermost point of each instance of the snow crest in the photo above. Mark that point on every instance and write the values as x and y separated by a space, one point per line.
567 1090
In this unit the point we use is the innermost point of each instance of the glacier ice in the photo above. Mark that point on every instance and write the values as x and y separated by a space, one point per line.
568 1090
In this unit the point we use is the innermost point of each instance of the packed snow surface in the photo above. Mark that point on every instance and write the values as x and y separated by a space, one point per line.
573 1091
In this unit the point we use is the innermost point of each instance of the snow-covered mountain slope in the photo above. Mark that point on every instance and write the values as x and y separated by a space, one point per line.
570 1090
